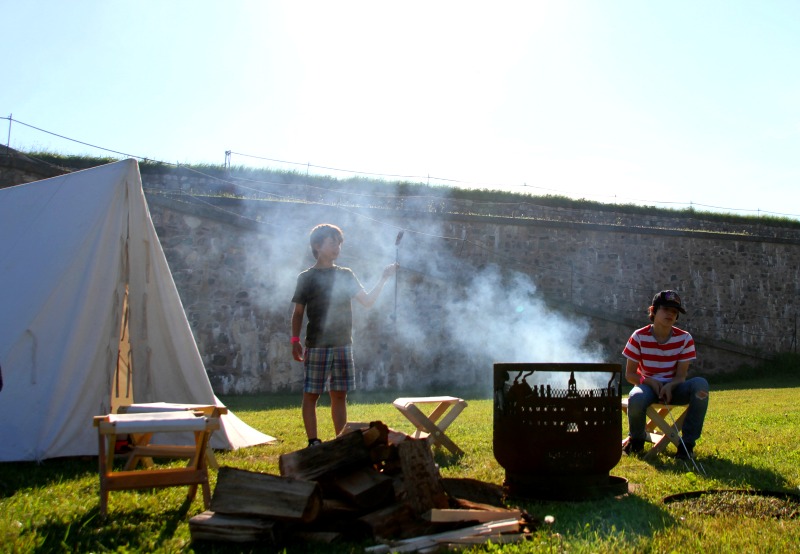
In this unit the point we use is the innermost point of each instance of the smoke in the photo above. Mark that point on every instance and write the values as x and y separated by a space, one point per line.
452 312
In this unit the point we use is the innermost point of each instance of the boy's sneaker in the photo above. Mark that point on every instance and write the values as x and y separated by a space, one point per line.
633 447
685 452
314 442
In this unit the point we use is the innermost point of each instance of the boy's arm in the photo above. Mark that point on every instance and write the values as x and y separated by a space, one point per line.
367 299
630 372
681 370
297 325
635 379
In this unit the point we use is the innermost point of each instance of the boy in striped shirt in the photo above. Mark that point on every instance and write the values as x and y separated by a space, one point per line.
658 361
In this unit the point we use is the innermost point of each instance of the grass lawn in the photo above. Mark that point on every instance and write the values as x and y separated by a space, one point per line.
750 441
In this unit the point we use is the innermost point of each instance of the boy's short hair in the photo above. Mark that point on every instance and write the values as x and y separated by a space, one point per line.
321 232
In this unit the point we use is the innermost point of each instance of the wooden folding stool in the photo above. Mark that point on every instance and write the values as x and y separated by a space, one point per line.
432 427
195 473
660 430
143 451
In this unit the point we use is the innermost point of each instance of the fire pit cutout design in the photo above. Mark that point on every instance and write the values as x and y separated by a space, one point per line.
555 441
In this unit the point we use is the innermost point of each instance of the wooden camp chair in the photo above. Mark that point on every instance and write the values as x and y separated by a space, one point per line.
660 427
432 426
195 473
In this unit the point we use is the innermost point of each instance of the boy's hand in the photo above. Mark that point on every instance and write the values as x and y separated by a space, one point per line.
297 351
390 270
665 394
654 384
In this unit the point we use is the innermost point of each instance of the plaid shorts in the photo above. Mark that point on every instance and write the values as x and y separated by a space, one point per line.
332 366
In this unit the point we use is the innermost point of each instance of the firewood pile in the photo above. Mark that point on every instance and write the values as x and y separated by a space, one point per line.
370 485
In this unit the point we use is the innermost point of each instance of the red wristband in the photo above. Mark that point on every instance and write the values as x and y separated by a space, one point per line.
295 340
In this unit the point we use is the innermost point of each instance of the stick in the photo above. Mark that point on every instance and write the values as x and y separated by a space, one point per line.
700 469
396 261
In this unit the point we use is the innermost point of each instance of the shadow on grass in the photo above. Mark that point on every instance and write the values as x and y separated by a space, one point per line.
724 471
630 513
445 458
261 402
120 532
35 475
344 547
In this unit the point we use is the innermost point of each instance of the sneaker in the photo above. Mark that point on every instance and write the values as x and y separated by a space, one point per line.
314 442
634 447
685 452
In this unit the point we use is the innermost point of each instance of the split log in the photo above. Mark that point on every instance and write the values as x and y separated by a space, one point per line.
462 542
463 504
342 453
374 432
211 526
323 537
394 521
422 488
432 541
476 515
474 490
243 492
365 487
333 508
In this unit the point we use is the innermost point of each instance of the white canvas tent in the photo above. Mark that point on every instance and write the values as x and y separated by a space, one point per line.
87 301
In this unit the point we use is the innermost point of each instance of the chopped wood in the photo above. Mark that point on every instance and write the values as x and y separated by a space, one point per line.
324 537
371 436
334 507
428 541
375 432
423 489
474 490
480 516
393 521
311 463
351 426
244 492
366 487
212 526
369 482
504 538
463 504
383 452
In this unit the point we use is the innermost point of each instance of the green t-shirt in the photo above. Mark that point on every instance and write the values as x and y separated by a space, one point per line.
327 294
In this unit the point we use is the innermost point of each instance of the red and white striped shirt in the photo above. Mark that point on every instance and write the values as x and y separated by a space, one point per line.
659 360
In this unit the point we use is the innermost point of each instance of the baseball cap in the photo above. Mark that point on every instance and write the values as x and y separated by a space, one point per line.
668 298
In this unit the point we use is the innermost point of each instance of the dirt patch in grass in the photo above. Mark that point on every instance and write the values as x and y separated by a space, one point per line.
753 504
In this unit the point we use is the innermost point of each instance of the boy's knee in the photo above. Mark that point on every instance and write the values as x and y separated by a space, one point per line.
700 388
638 403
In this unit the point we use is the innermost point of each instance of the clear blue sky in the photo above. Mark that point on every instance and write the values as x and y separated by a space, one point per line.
662 103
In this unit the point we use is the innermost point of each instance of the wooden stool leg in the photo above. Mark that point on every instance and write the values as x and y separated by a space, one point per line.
103 470
202 439
667 432
435 433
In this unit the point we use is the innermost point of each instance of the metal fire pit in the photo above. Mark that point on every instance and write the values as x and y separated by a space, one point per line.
555 441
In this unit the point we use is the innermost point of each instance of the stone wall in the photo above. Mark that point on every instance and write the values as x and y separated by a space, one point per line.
479 282
740 289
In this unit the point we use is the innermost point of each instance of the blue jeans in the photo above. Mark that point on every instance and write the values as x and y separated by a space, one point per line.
693 392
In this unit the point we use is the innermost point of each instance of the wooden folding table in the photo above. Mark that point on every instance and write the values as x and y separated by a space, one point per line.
195 473
142 449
